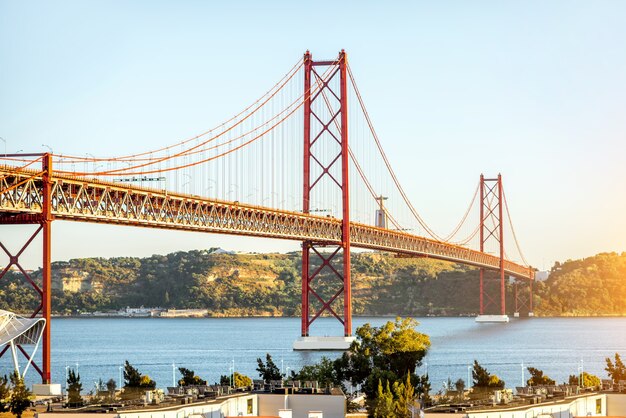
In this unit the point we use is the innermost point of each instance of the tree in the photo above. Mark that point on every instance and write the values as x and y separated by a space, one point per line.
20 396
132 377
242 381
5 393
268 370
384 402
189 378
482 379
589 380
405 397
617 370
146 382
384 354
537 378
135 382
423 389
74 387
396 347
111 387
324 372
459 386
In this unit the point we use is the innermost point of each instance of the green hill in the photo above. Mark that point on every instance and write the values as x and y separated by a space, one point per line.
269 285
588 287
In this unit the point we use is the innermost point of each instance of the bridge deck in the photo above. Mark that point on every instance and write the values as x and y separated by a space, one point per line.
91 200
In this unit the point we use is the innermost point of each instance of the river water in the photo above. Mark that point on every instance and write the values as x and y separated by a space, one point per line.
559 346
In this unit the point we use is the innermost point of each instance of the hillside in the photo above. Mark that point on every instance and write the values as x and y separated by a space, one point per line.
588 287
269 285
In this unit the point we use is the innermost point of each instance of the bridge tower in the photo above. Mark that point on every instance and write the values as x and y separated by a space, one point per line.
492 231
43 222
326 121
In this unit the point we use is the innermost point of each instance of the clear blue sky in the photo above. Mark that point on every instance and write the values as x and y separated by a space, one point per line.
535 90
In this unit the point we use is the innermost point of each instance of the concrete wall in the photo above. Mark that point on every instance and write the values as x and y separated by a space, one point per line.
581 406
616 404
330 405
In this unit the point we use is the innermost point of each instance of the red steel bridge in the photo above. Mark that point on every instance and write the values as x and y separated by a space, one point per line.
285 167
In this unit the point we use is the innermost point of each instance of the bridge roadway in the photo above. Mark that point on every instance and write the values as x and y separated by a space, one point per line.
91 200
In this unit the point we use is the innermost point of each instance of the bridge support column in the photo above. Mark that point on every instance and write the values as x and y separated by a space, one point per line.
523 298
492 232
530 292
44 220
46 270
326 265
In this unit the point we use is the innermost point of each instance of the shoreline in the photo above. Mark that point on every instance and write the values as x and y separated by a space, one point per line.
288 316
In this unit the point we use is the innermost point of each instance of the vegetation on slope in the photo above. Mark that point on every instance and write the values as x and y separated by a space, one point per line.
588 287
269 284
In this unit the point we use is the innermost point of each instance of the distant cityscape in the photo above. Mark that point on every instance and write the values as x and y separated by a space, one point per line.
143 312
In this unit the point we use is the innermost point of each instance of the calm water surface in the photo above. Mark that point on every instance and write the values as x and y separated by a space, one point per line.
209 345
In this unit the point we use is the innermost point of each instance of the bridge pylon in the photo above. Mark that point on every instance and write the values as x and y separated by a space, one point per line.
491 230
524 297
43 221
325 126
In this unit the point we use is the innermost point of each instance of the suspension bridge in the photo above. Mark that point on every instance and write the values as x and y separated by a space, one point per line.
285 167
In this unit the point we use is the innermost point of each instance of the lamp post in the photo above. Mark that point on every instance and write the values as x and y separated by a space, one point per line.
469 379
173 375
582 374
49 148
67 376
120 383
5 145
523 375
234 384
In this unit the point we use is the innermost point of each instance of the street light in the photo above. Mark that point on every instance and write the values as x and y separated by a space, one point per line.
581 383
67 376
49 147
5 145
234 372
469 369
120 379
523 375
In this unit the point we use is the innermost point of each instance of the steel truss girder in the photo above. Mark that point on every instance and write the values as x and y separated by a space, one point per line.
135 206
